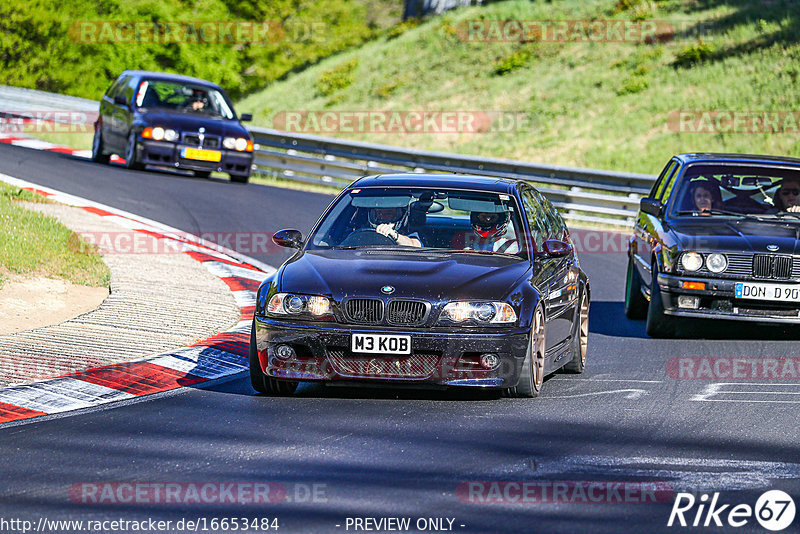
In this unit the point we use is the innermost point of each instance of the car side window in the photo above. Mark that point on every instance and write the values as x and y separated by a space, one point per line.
664 198
537 220
115 88
556 224
128 89
658 187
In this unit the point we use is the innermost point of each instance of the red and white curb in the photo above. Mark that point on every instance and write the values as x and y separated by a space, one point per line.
221 355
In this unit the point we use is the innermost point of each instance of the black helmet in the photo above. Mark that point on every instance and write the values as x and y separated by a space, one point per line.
489 224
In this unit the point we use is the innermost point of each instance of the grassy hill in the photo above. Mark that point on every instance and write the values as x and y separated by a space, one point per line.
594 104
78 48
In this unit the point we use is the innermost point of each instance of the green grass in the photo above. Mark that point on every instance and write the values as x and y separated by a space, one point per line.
77 140
35 244
595 104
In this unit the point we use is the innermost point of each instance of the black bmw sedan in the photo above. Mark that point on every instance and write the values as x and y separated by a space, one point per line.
154 118
717 237
425 280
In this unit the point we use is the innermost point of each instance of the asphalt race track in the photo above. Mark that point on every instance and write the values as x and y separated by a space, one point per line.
342 453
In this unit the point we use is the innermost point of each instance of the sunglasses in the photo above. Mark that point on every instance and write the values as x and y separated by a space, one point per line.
794 192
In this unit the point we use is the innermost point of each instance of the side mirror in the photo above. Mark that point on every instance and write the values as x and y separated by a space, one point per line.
120 100
554 248
245 117
651 206
289 238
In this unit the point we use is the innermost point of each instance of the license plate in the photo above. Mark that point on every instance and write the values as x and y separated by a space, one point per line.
773 292
201 154
380 344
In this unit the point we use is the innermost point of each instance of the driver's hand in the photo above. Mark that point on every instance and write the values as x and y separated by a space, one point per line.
387 230
793 209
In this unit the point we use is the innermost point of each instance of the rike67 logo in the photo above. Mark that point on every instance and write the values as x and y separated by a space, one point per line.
774 510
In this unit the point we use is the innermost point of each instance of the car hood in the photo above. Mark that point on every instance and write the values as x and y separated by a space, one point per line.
739 235
188 122
429 276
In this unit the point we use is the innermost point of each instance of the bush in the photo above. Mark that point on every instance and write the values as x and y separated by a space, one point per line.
337 78
693 54
512 62
632 85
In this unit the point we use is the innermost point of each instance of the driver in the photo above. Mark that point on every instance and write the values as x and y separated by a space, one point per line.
490 229
198 100
787 197
384 220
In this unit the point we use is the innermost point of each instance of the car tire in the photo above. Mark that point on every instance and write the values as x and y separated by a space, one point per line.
240 178
659 324
262 383
98 156
532 374
635 303
202 174
579 345
130 153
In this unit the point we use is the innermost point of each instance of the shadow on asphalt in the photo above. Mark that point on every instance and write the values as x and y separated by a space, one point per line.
608 318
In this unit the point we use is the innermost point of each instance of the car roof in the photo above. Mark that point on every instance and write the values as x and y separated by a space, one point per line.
444 181
153 75
717 157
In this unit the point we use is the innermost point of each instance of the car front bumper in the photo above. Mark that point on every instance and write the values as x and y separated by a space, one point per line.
169 154
439 357
718 301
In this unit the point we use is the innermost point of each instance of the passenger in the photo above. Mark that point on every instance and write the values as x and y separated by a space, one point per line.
490 229
787 197
705 196
384 220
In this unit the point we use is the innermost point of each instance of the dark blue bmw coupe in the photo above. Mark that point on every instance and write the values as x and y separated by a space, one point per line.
436 280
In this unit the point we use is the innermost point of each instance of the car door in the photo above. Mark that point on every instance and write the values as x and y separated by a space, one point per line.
545 269
107 114
648 228
123 112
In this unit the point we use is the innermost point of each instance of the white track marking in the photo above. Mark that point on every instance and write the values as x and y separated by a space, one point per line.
719 391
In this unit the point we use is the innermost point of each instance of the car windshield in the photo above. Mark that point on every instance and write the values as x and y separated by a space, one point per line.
431 219
182 98
737 191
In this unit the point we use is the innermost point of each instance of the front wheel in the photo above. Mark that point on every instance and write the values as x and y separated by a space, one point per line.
532 374
580 338
659 324
130 154
98 155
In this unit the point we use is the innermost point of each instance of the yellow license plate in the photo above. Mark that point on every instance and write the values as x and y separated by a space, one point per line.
202 155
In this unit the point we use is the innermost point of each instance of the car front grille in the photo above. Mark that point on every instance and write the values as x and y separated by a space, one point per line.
364 311
209 141
766 266
406 312
418 365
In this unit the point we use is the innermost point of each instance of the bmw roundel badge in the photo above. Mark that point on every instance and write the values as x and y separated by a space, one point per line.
772 248
387 290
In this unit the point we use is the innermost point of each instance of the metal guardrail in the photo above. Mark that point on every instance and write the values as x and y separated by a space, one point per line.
581 195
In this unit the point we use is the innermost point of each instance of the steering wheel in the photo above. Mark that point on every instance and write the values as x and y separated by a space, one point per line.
366 236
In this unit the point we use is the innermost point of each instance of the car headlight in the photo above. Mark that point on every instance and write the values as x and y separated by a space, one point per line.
158 133
692 261
170 135
716 263
479 312
299 305
241 144
229 143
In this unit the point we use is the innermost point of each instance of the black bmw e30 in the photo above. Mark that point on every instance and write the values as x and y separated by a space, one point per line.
425 280
155 118
717 237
